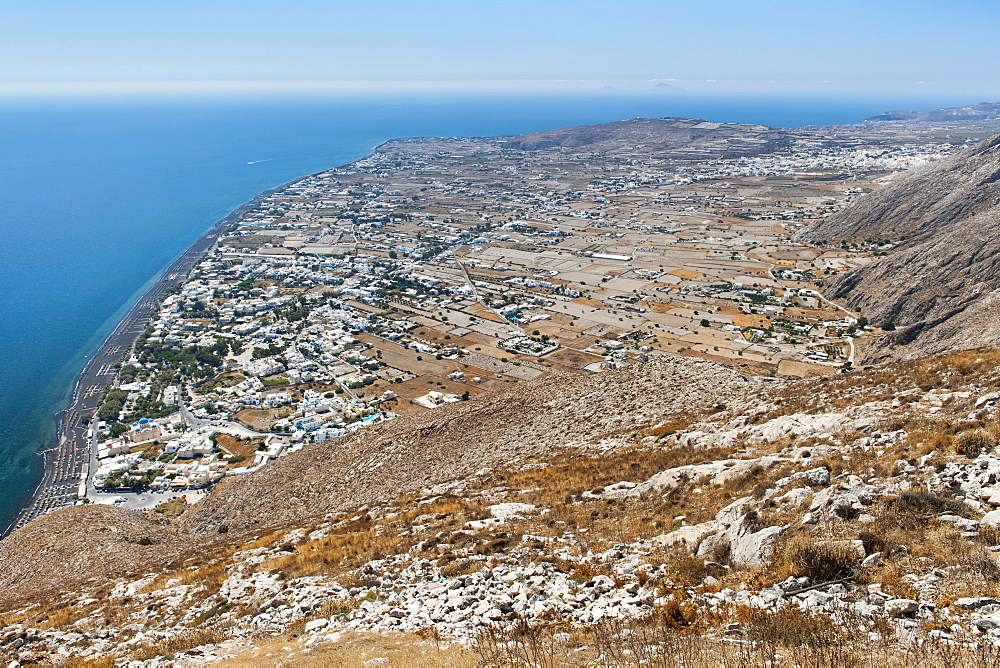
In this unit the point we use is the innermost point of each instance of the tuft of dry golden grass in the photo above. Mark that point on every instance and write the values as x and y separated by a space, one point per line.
96 662
671 637
906 533
353 649
178 644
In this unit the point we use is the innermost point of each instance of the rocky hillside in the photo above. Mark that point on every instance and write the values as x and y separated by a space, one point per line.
659 135
404 456
656 518
940 285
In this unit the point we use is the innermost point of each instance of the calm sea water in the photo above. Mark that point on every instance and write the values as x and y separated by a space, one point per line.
98 196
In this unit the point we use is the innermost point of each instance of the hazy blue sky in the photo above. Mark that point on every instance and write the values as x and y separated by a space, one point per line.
909 45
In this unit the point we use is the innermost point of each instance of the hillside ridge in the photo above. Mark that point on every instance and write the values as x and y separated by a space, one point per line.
403 456
940 284
693 137
973 112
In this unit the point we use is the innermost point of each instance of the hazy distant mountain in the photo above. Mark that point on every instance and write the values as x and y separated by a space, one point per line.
984 111
941 285
667 88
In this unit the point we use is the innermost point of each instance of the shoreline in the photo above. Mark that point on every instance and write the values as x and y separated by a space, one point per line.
66 462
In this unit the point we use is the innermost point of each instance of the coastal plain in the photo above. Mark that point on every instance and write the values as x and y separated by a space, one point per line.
437 269
575 394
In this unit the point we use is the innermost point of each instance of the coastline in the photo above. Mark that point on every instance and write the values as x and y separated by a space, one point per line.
67 460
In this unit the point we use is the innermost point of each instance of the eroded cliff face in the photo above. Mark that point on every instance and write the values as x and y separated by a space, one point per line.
941 285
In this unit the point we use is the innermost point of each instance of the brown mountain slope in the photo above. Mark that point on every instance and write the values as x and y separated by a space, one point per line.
430 448
941 285
381 462
927 200
871 492
80 544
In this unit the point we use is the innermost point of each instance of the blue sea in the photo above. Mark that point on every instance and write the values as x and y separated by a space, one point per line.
98 195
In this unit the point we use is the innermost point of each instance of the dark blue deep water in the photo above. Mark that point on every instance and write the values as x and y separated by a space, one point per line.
97 196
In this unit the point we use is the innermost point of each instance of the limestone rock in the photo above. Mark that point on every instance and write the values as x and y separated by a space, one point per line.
901 607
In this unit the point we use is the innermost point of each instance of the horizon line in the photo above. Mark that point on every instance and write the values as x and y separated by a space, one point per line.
431 86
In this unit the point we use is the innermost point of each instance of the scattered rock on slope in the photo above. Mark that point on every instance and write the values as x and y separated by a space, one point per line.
381 462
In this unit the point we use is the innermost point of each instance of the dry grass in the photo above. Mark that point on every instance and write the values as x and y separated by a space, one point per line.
97 662
445 537
800 556
209 576
335 554
560 486
178 643
909 538
246 447
972 442
774 639
19 616
677 634
64 615
363 538
905 530
352 650
171 509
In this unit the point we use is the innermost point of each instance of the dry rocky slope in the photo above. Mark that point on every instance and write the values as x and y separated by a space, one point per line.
613 514
941 284
400 457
